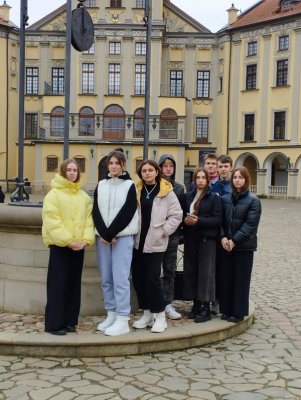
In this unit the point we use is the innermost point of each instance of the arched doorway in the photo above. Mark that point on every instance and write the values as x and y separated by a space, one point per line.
168 124
276 165
251 165
102 168
114 122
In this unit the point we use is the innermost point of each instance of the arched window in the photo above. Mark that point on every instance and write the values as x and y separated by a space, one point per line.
139 123
168 124
81 162
114 122
52 164
57 121
86 122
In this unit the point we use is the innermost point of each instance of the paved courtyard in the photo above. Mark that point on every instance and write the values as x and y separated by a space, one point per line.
263 363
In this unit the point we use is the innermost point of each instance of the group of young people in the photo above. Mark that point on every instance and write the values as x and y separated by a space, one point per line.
138 229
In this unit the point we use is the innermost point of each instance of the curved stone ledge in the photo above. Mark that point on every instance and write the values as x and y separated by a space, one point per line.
24 262
77 345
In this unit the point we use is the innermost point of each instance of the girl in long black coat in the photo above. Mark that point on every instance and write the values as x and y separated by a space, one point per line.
241 215
202 225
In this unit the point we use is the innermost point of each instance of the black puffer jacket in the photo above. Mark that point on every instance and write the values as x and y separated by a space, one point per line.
241 217
209 216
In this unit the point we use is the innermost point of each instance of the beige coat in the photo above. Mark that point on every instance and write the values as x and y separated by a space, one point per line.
165 218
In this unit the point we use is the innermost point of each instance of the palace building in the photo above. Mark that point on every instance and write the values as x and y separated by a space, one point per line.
237 91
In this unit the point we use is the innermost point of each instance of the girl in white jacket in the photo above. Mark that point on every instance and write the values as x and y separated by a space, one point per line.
116 221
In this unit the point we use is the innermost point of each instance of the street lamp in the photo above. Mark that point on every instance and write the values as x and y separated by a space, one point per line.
148 24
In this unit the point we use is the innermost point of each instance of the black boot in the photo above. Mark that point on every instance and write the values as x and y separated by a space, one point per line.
203 313
195 308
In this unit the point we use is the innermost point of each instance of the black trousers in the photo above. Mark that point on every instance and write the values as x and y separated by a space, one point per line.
199 268
234 282
63 287
146 271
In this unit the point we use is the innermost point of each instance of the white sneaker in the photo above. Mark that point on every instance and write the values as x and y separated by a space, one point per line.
120 326
171 312
146 320
160 323
107 322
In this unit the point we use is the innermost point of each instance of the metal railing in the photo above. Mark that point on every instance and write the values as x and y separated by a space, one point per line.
278 191
50 90
168 90
113 135
253 189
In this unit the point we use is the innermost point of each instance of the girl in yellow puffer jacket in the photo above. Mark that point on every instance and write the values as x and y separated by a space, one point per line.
67 229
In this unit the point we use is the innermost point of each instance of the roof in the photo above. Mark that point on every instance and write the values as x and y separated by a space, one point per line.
267 11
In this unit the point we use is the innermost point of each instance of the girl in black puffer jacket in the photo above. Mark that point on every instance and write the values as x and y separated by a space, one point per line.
241 215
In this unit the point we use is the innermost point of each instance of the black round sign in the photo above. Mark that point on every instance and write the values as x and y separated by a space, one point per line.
82 29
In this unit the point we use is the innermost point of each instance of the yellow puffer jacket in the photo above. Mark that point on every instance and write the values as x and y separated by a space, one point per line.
67 214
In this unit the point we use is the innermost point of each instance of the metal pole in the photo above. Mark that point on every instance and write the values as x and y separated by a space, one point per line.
148 23
67 79
23 23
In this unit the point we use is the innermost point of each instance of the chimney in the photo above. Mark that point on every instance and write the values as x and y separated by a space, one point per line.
4 11
232 14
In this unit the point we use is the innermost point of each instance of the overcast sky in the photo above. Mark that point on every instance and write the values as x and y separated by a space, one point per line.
212 13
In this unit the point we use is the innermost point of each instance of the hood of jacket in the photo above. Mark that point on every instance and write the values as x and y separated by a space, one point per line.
165 188
125 176
61 183
165 157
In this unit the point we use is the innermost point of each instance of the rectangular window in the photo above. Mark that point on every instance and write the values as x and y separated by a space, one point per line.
90 3
52 164
140 3
115 3
282 72
252 49
57 80
249 127
202 128
251 77
279 125
81 162
114 48
220 84
31 126
140 49
140 75
114 78
203 84
176 84
283 42
88 78
91 50
32 80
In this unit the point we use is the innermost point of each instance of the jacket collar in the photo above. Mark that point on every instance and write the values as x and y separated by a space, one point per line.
165 188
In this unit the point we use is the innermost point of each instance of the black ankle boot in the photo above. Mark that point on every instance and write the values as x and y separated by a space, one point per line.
203 314
195 308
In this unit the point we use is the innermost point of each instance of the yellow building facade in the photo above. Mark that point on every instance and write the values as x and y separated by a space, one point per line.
236 91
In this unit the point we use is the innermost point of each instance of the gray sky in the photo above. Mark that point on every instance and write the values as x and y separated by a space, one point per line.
212 13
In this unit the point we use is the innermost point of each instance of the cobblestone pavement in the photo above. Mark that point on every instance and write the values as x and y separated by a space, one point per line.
263 363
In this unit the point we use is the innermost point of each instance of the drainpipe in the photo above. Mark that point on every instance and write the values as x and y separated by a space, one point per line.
229 89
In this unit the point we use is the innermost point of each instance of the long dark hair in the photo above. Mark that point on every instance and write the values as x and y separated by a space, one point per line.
120 157
206 188
153 164
245 174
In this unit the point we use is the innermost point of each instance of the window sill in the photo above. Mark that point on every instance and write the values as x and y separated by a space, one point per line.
88 94
280 86
249 90
279 140
113 95
115 8
248 141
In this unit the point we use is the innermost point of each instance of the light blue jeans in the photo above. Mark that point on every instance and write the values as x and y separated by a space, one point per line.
114 265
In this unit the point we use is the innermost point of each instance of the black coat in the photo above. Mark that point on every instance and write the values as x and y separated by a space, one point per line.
209 215
241 217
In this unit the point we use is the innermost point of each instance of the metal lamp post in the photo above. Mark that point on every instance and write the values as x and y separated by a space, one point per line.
148 23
